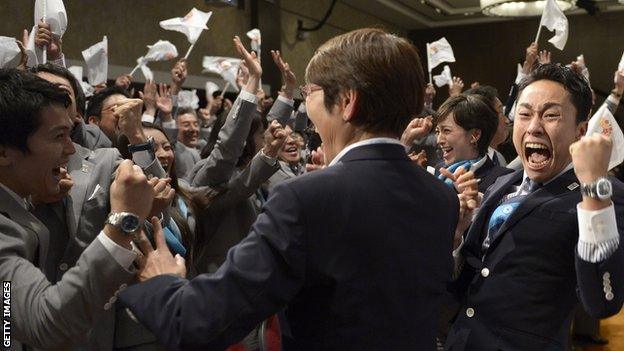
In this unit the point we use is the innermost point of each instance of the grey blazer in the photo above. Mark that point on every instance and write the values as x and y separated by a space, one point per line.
46 316
90 136
86 210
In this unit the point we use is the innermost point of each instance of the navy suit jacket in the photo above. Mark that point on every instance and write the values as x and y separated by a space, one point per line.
359 253
520 293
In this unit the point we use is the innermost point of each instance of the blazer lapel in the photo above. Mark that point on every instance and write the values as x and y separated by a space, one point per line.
551 190
18 214
80 169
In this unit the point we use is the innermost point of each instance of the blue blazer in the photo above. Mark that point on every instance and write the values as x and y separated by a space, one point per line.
520 293
359 254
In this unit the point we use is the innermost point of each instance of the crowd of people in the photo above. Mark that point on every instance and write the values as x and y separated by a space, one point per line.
355 218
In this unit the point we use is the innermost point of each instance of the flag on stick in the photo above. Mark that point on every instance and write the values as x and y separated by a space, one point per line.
554 20
604 123
96 58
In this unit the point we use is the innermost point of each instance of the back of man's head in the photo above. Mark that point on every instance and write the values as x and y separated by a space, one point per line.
97 100
488 92
63 72
23 96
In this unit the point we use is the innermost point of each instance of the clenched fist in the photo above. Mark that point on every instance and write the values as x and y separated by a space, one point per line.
131 191
590 157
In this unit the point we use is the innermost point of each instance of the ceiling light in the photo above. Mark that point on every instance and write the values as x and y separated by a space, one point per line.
515 8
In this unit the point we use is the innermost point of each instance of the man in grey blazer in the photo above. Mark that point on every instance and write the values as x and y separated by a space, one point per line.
34 145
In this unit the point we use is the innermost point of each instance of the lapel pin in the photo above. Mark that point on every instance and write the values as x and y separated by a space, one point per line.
573 186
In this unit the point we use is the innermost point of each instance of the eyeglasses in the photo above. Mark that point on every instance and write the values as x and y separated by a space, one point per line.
308 89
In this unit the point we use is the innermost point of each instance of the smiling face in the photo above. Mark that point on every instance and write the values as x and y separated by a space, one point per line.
291 150
37 171
162 148
455 142
188 130
544 128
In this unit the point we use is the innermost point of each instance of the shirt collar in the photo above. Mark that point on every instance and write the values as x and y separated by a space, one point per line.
363 143
567 168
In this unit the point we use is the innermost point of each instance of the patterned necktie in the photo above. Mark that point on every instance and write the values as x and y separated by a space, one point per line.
507 206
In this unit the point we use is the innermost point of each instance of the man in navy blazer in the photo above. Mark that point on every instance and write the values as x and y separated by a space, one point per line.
547 235
358 253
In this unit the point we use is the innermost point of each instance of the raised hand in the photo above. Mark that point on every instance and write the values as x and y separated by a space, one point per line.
317 157
418 158
456 87
45 38
251 60
128 116
164 102
468 196
530 58
131 191
590 157
416 129
288 76
274 138
618 81
430 94
123 81
178 76
163 197
242 76
148 95
154 262
544 57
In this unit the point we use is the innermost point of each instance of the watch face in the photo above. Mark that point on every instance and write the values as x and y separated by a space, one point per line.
603 188
130 223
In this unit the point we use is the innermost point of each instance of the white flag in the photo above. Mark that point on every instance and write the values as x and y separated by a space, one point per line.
96 58
211 88
162 50
147 73
188 98
191 25
580 61
555 20
603 122
445 78
54 14
226 67
621 64
10 53
87 89
438 52
256 39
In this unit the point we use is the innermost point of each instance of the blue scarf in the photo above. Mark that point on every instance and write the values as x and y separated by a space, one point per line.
467 164
173 236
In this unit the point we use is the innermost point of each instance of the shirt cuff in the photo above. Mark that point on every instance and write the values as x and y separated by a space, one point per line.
247 96
290 102
519 77
122 256
147 118
613 99
59 61
598 234
170 124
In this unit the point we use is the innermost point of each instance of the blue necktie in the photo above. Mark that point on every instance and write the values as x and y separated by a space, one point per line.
507 206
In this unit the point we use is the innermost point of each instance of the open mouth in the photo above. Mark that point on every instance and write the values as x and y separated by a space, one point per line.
291 151
538 155
58 171
446 150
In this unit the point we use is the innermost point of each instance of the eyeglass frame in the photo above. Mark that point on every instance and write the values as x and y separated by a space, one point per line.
308 89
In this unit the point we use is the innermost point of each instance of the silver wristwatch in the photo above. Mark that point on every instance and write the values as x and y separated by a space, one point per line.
601 189
127 222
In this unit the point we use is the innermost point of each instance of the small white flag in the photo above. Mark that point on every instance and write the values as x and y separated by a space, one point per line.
188 98
190 25
621 64
603 122
580 61
256 39
444 78
555 20
96 58
147 73
161 50
438 52
87 89
54 14
10 53
211 88
226 67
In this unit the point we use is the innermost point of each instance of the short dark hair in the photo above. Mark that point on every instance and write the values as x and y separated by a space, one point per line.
63 72
186 110
383 68
574 83
23 96
488 92
471 112
97 100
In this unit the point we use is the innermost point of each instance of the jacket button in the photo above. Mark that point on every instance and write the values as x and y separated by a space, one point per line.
485 272
107 306
606 276
470 312
609 296
123 287
63 266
